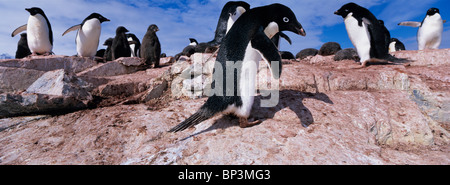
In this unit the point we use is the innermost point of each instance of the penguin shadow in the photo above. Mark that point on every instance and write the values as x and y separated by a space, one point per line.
292 99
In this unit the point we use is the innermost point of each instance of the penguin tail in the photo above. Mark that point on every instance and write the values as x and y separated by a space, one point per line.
196 118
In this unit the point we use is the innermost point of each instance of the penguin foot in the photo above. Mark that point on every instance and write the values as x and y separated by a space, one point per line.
243 122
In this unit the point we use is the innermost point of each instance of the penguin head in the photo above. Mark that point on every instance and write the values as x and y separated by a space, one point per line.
193 41
121 29
432 11
23 35
35 10
237 8
108 42
153 28
347 9
97 16
286 19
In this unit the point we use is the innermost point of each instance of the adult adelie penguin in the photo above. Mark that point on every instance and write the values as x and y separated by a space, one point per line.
429 35
151 48
39 32
231 11
88 34
120 46
247 42
135 44
22 47
365 32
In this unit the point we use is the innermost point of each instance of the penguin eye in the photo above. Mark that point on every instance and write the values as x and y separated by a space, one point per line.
285 19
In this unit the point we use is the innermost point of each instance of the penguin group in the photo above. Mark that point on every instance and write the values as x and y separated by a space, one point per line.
373 41
243 35
38 39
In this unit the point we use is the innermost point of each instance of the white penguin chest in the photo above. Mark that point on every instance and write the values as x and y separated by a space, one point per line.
38 34
392 46
359 35
429 34
132 46
88 38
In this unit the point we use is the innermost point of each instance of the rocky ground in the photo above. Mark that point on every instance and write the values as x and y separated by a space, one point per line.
329 112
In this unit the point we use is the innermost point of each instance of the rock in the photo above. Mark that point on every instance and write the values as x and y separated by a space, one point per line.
50 63
307 52
17 79
55 90
124 65
347 54
26 103
329 48
326 112
155 91
287 55
131 61
61 83
166 60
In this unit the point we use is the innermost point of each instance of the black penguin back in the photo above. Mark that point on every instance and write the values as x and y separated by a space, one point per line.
120 46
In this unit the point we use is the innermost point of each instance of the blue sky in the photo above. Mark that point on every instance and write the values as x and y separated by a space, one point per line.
179 20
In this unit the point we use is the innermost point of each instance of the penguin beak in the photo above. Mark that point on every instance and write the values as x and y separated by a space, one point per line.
298 29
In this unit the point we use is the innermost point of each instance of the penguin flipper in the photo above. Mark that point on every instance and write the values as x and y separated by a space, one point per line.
410 23
19 29
73 28
286 37
268 50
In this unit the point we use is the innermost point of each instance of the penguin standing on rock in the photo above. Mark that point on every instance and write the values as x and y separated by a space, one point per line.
88 34
120 46
246 43
108 54
22 47
135 44
396 45
429 35
365 32
151 48
39 32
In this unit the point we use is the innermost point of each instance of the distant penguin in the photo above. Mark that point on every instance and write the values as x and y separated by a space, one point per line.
22 47
365 32
396 45
100 53
193 42
387 35
88 34
231 11
120 46
108 54
151 47
429 35
247 42
39 32
135 44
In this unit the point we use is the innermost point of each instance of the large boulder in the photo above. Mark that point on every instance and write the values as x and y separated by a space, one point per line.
55 91
329 48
